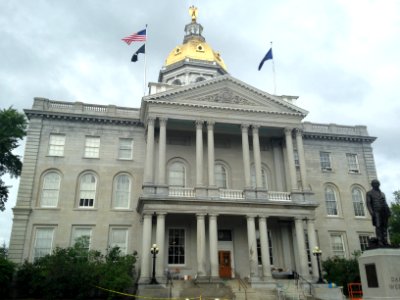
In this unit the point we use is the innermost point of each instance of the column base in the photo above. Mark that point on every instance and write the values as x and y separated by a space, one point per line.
249 193
162 190
213 192
201 191
149 188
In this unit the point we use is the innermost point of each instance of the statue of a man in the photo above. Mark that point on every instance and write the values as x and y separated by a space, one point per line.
379 211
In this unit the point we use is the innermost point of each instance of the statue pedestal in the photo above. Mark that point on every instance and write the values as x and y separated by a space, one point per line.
380 273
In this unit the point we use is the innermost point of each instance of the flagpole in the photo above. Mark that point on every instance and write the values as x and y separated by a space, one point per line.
273 72
145 63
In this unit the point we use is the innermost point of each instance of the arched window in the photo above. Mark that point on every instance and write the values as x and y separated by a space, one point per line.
122 191
177 82
330 201
177 174
50 190
198 79
264 177
87 190
220 176
358 202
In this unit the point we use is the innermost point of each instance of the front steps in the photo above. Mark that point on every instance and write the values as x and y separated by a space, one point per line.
226 290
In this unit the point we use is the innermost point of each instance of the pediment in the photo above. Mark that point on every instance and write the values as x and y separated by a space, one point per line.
226 92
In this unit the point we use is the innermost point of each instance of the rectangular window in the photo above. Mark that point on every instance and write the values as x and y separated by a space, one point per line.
337 244
259 258
92 147
363 241
56 145
176 246
224 235
352 162
43 242
296 159
325 160
125 148
119 238
81 235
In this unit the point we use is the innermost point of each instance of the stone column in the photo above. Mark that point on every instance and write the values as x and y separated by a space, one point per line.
290 157
252 242
199 153
162 151
148 164
266 265
312 241
301 245
246 155
257 157
146 245
278 163
302 158
201 245
210 149
160 241
213 233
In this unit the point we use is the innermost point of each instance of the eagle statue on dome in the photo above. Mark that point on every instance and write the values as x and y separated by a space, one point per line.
193 12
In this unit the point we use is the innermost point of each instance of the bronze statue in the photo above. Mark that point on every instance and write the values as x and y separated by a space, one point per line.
379 211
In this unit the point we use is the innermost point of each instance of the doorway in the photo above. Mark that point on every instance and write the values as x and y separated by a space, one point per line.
225 268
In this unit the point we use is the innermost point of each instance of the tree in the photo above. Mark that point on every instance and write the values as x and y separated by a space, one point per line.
12 129
342 271
394 221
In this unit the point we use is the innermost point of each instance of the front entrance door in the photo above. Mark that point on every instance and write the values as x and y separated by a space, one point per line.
225 269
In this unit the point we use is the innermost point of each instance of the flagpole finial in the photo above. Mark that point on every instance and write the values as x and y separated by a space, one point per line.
193 12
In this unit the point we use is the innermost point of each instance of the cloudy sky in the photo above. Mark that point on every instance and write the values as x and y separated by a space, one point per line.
341 57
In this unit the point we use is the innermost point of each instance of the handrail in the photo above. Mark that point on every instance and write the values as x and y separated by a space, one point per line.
310 284
242 283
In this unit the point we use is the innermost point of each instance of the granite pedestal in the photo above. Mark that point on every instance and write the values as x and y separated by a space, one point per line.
380 273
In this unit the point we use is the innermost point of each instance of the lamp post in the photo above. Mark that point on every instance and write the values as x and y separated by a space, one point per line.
317 252
154 252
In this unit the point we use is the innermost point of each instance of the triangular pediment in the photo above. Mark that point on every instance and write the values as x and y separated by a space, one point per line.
226 92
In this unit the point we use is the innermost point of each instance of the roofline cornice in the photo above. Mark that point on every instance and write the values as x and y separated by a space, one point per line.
82 117
338 137
219 79
224 108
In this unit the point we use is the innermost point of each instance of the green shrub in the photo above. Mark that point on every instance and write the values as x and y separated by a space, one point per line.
6 275
342 271
74 273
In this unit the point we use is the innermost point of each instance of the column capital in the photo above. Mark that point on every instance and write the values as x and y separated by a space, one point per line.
210 124
163 120
199 124
199 215
150 120
161 213
213 215
288 131
255 128
298 131
244 127
251 216
301 219
263 217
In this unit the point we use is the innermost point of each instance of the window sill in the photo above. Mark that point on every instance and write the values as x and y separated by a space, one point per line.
47 208
125 159
334 217
59 156
355 173
91 157
85 209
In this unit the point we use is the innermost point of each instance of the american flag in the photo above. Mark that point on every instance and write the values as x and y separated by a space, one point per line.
139 36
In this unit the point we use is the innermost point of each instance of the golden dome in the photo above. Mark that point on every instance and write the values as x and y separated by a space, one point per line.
194 49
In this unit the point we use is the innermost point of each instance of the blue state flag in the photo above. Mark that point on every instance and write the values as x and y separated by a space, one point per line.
266 57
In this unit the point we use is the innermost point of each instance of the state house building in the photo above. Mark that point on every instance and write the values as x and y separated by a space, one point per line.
226 179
